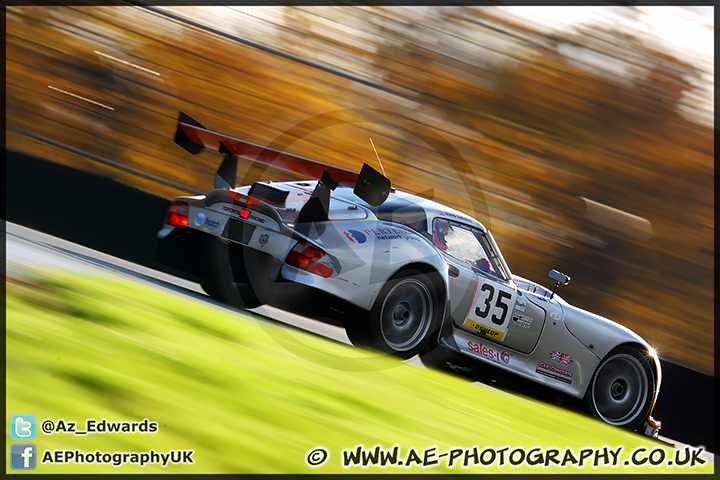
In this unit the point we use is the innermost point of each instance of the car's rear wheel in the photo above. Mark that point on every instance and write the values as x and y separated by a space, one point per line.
225 279
622 389
405 314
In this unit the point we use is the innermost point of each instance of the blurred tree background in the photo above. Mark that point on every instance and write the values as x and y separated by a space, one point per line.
587 148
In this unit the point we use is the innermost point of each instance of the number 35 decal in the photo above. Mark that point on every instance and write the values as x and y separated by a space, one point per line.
490 310
499 304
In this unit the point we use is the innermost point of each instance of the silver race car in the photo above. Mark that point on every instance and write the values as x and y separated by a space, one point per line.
402 274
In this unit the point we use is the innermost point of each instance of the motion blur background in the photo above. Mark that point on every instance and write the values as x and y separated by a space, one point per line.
586 131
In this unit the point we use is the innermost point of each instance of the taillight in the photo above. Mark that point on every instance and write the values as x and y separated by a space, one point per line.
309 258
177 215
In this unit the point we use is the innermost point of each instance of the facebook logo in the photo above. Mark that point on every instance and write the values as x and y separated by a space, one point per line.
23 427
23 457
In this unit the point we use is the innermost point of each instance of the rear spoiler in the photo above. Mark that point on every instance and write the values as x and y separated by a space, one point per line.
369 184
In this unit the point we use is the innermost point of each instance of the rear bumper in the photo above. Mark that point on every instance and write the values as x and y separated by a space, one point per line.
187 250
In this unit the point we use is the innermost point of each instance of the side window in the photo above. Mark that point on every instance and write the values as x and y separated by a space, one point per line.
468 245
441 230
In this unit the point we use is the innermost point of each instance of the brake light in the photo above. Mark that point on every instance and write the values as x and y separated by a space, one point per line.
177 215
308 258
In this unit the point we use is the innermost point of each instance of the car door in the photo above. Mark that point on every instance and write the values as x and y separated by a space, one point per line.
484 299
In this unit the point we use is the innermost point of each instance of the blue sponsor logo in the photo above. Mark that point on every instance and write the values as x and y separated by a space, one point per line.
355 236
212 223
202 219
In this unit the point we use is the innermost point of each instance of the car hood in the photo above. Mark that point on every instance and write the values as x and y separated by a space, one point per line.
599 334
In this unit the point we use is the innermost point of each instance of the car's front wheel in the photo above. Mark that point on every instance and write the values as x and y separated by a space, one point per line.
405 314
622 389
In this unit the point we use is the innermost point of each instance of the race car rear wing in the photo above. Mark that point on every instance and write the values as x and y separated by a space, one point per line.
369 184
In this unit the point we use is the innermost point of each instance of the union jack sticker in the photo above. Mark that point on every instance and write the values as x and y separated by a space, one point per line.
562 358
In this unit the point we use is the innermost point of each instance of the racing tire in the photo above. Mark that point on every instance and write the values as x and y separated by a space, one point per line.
220 279
403 319
622 389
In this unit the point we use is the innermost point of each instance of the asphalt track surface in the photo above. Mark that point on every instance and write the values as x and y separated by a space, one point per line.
30 248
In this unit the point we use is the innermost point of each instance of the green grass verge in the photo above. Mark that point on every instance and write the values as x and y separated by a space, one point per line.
249 396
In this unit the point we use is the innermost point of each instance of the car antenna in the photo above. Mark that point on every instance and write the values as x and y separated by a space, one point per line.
378 157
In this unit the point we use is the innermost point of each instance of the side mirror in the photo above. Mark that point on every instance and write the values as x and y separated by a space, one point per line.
559 278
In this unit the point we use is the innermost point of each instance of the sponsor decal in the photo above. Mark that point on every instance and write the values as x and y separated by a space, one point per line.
540 295
354 236
521 320
202 219
501 357
244 214
555 316
234 211
561 358
452 215
391 234
264 239
520 304
554 372
484 329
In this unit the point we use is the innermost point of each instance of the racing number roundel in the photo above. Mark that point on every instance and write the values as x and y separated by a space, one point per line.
490 310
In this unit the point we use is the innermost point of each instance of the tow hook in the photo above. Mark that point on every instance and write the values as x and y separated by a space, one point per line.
651 427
